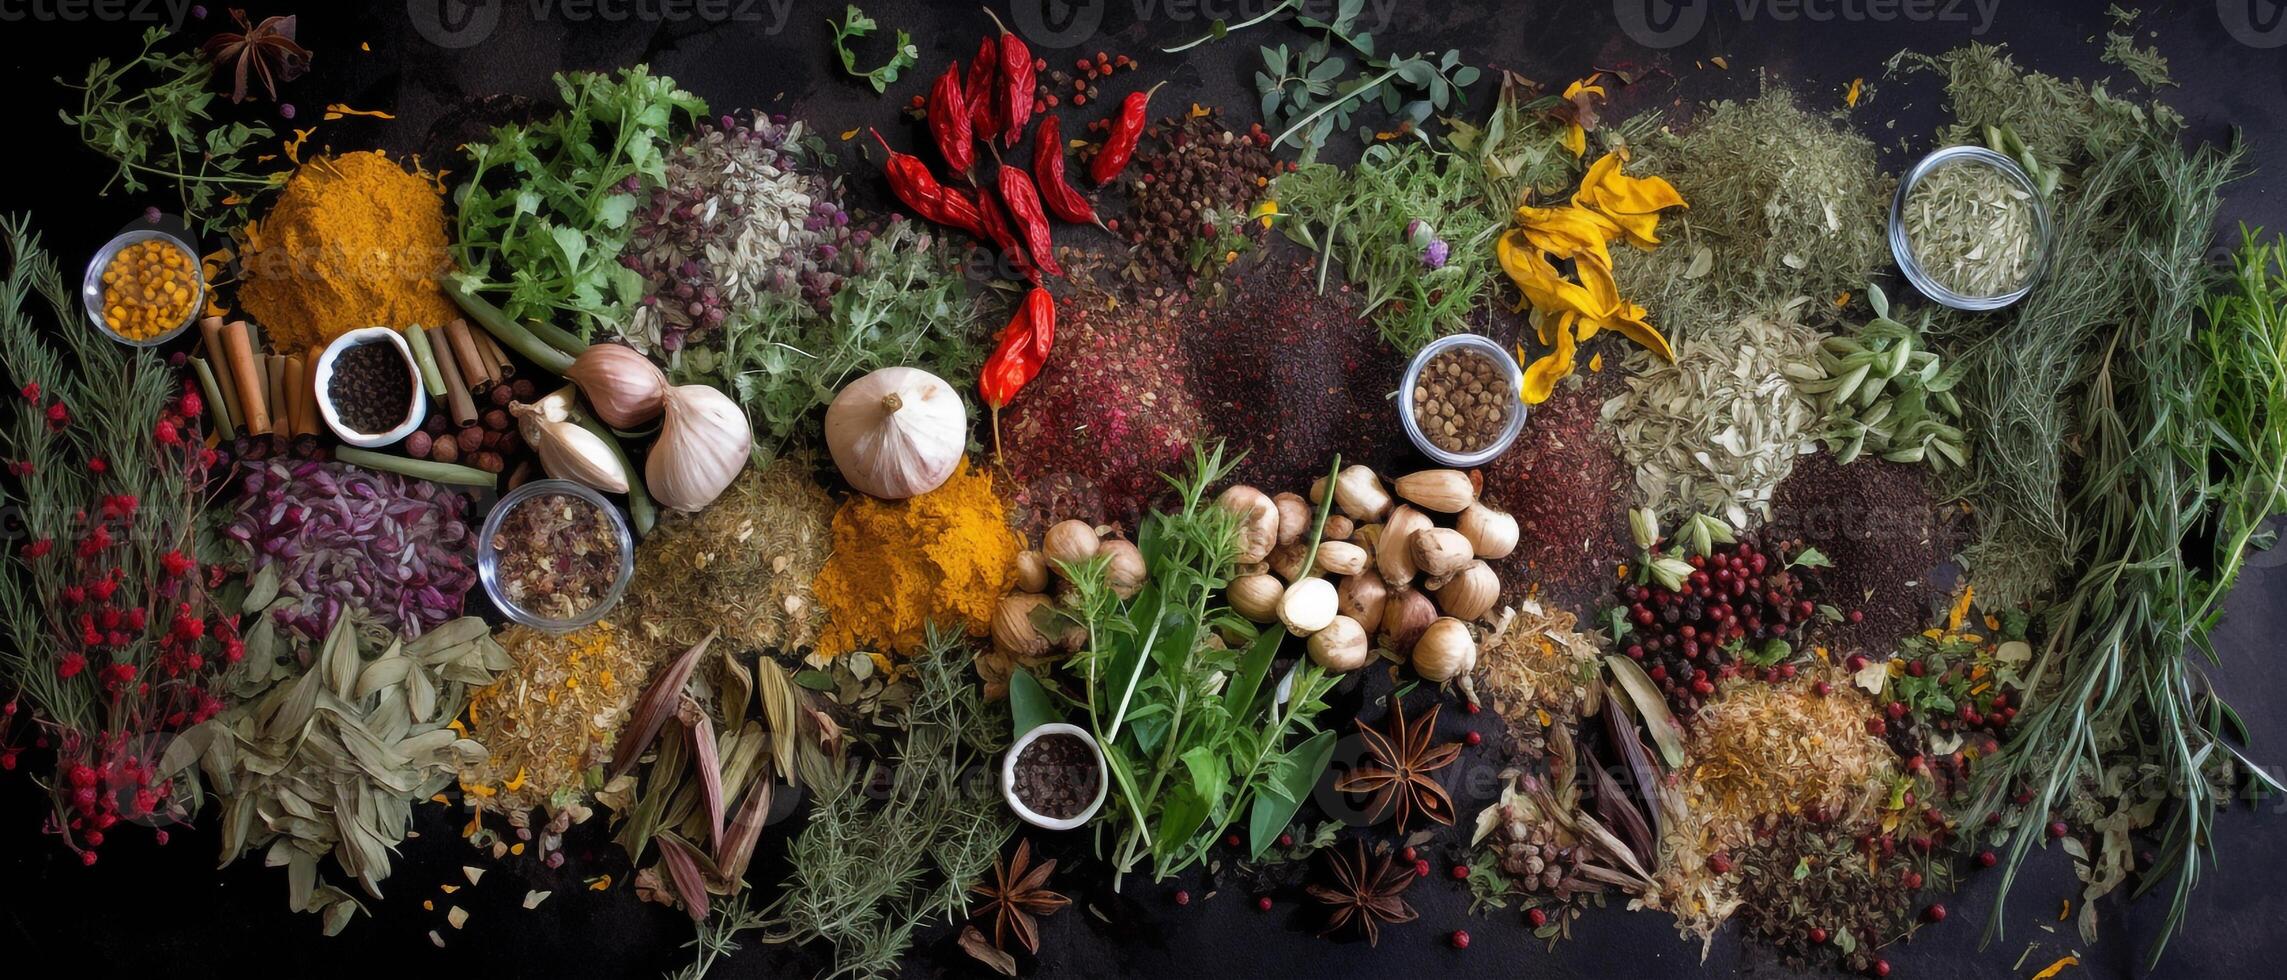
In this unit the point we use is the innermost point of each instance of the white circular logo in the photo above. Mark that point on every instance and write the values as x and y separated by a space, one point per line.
1057 23
454 24
1663 24
2255 23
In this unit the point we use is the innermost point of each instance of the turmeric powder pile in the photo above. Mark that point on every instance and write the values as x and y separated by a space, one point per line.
354 241
943 557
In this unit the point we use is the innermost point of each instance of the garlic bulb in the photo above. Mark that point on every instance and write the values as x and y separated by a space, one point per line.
1491 534
1393 547
1362 597
1255 597
1468 593
703 443
1405 614
1444 651
1258 520
1341 558
1293 516
623 387
1069 543
1124 570
1341 647
1440 551
897 432
1359 494
1444 491
1031 571
1307 606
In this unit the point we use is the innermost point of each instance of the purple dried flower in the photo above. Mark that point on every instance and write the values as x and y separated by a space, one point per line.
1434 256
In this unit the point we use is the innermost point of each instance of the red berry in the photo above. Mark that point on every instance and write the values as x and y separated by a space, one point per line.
1857 616
1536 917
1881 968
1460 871
1818 935
1460 939
1912 880
1987 859
2058 829
1409 854
1472 707
1286 840
1473 738
1263 904
1935 913
1421 868
1182 897
1231 840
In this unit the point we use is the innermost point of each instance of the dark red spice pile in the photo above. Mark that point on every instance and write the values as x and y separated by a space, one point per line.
1112 410
1290 377
1189 195
1880 524
1565 483
1809 884
1743 595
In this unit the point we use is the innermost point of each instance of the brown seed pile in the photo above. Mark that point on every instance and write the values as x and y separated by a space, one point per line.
1879 523
1461 401
1565 483
1189 194
1056 776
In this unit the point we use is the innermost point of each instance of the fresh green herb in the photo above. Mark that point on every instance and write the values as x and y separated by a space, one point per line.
867 873
1884 392
149 117
1221 29
2181 437
545 234
905 303
718 936
1307 92
855 24
1193 727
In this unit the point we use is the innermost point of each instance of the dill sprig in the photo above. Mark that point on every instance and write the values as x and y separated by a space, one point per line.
868 875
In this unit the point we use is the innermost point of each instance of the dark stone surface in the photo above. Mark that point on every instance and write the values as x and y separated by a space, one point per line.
147 910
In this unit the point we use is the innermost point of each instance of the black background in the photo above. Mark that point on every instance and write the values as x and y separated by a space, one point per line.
148 910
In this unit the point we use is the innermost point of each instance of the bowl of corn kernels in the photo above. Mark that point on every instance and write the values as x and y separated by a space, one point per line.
143 288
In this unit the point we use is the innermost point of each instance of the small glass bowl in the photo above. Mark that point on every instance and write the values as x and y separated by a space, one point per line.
91 285
1902 248
1482 346
488 558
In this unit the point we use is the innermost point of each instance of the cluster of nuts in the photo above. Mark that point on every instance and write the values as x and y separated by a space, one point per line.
1384 569
1025 624
1529 850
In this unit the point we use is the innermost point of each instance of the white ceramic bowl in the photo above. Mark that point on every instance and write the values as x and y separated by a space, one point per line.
1008 777
414 416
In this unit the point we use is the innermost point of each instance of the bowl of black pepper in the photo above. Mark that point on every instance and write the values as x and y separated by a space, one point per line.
369 388
1053 777
1460 400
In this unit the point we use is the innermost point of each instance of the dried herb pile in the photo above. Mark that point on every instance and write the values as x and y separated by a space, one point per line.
1569 490
744 566
551 716
1879 522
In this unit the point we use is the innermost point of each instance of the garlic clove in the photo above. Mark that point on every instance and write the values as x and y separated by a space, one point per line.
568 451
1255 597
1341 647
1363 597
1294 516
1069 543
1444 491
1444 651
1359 495
1124 570
1031 571
1470 592
1393 546
1308 606
1491 534
1405 614
1440 551
1341 558
1258 520
1014 629
703 443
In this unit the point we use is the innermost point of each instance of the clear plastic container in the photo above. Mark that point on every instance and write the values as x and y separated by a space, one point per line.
488 557
1506 365
1903 249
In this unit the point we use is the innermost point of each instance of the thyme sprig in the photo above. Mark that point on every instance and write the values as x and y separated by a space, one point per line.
149 116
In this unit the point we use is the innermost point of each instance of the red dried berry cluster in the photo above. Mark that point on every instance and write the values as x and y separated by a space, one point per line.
1741 593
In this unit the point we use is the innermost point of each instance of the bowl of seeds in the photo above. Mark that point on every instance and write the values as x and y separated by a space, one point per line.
1970 228
143 288
369 388
1459 400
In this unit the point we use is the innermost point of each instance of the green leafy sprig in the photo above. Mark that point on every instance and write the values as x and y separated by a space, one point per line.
854 25
149 117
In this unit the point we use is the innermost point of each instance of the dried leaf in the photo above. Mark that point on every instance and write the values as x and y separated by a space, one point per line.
652 710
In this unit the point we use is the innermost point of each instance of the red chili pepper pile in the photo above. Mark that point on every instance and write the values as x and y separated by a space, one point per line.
992 101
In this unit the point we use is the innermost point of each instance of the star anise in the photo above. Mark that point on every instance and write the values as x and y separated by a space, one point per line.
1365 894
1017 892
1400 770
267 50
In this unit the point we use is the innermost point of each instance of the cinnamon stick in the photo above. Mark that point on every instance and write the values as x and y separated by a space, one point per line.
465 354
254 410
504 368
457 395
311 420
297 396
274 379
218 358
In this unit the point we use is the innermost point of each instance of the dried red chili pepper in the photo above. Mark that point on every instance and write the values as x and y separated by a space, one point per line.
911 181
1023 201
1018 356
1015 84
994 221
1127 131
1063 200
949 122
984 108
